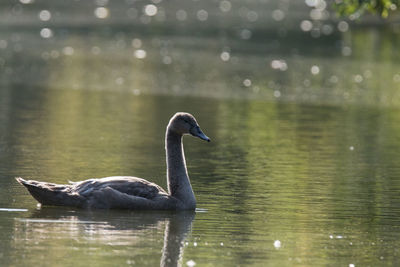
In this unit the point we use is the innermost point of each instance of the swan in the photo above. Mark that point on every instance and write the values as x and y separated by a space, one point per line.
126 192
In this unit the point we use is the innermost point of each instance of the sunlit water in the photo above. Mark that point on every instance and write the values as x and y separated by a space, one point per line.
279 184
303 167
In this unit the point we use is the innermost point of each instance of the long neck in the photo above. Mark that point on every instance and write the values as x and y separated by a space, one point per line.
177 176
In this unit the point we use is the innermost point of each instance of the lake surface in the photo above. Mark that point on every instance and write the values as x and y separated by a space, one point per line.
279 184
303 168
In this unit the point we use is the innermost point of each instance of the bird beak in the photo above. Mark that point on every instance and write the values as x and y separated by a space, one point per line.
196 131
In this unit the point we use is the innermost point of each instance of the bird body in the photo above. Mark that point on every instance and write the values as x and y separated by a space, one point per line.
126 192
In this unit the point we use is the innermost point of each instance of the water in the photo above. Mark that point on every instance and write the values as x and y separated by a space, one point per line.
303 164
279 184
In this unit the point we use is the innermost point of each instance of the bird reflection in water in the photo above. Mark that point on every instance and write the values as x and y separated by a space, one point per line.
121 230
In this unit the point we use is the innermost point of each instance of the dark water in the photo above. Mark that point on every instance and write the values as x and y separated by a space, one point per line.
303 167
280 184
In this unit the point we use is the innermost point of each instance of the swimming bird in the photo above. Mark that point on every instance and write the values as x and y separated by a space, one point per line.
126 192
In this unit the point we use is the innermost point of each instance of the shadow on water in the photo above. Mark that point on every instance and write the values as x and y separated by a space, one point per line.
101 229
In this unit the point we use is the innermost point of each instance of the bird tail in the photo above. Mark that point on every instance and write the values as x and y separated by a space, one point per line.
51 194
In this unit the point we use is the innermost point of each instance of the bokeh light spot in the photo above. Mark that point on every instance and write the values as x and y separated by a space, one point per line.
46 33
315 70
44 15
202 15
150 10
140 54
101 12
